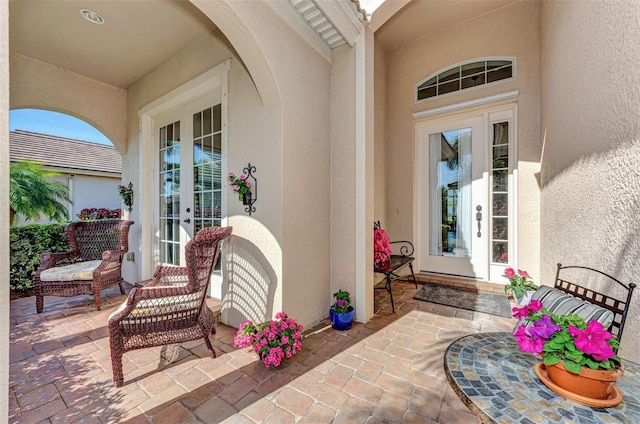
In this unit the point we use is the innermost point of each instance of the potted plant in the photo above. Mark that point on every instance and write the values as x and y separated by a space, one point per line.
242 187
579 357
126 194
341 312
272 340
520 284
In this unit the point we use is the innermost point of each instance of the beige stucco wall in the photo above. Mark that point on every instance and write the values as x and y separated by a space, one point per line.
4 208
343 190
380 151
511 32
36 84
285 242
589 118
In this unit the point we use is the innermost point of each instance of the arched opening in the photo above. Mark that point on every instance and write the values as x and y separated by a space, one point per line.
77 154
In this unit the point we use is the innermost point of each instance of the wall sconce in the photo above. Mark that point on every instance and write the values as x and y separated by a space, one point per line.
126 193
248 199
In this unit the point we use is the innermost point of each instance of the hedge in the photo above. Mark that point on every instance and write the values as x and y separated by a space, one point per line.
26 245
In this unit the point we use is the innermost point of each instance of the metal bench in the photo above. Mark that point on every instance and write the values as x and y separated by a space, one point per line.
390 264
618 307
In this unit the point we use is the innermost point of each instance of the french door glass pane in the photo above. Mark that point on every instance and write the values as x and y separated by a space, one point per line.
500 194
170 193
450 201
207 164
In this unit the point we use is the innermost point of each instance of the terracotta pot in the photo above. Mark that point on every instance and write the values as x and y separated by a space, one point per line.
594 384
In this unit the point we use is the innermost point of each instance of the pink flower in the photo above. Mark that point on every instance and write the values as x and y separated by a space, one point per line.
503 256
593 340
525 311
523 273
509 273
527 343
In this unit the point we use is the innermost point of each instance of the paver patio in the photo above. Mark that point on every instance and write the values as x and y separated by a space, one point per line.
386 371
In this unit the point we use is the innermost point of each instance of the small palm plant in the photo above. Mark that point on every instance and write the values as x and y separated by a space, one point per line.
33 191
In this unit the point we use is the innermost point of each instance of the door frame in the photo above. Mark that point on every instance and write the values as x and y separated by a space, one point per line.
501 113
213 80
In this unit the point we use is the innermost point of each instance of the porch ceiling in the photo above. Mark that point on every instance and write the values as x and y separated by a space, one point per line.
139 35
421 18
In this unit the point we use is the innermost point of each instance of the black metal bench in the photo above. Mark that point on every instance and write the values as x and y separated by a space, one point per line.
618 307
390 264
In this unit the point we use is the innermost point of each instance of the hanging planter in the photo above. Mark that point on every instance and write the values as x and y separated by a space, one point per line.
246 189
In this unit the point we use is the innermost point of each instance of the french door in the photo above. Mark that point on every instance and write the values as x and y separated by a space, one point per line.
189 174
452 197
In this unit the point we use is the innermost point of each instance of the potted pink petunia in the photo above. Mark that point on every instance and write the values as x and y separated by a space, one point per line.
584 352
520 284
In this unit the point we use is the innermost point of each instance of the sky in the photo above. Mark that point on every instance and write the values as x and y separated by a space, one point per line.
54 123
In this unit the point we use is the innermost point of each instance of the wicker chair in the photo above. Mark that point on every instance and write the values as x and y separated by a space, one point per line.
170 309
93 262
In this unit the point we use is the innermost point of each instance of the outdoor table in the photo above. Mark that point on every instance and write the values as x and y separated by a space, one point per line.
497 381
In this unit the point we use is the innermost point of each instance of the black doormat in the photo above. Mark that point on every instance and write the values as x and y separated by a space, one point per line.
489 303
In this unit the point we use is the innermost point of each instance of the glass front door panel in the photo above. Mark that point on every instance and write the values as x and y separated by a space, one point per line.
170 193
500 194
450 200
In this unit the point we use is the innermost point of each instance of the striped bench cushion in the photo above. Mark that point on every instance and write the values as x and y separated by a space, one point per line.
561 303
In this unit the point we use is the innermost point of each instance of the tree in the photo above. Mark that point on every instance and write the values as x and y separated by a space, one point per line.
33 191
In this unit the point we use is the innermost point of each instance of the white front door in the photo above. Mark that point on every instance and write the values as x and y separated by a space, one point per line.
189 174
452 197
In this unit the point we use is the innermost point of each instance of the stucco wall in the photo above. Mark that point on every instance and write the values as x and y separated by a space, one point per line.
4 207
36 84
285 241
589 117
512 32
343 191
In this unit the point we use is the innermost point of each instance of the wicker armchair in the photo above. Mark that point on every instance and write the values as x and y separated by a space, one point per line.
93 262
171 309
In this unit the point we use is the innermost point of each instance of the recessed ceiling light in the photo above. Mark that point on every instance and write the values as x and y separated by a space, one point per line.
92 16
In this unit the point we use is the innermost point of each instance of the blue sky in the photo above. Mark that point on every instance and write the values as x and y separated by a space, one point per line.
54 123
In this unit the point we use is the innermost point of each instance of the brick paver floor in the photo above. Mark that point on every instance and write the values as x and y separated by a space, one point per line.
386 371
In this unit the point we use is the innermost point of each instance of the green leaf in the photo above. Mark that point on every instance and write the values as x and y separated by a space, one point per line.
551 359
572 366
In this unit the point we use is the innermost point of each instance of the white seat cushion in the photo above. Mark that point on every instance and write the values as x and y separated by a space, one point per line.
77 271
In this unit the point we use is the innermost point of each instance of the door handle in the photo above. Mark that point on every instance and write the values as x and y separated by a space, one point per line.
479 219
187 220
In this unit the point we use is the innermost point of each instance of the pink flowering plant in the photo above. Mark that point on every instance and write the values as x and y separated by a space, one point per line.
272 340
565 338
240 185
519 282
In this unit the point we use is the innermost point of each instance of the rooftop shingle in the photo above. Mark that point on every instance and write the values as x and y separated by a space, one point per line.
60 152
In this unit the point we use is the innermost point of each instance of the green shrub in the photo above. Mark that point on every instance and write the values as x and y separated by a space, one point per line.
26 245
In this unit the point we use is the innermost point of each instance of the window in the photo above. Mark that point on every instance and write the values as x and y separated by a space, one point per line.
465 76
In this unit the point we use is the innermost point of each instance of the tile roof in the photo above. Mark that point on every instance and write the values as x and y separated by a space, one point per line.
60 152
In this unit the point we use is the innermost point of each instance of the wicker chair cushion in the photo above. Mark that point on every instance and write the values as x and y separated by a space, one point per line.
74 272
159 309
561 303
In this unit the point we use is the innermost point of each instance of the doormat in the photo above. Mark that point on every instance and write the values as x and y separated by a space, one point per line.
489 303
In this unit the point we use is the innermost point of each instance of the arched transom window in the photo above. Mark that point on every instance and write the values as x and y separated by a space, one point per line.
465 76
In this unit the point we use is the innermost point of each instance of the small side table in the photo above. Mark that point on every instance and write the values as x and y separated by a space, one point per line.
497 381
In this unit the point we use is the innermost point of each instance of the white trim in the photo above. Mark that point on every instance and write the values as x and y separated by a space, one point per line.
469 103
342 18
206 83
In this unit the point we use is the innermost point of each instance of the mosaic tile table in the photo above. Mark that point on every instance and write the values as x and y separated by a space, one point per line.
498 383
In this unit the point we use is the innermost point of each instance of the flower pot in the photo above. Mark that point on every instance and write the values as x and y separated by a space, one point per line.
524 299
342 321
246 198
593 384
